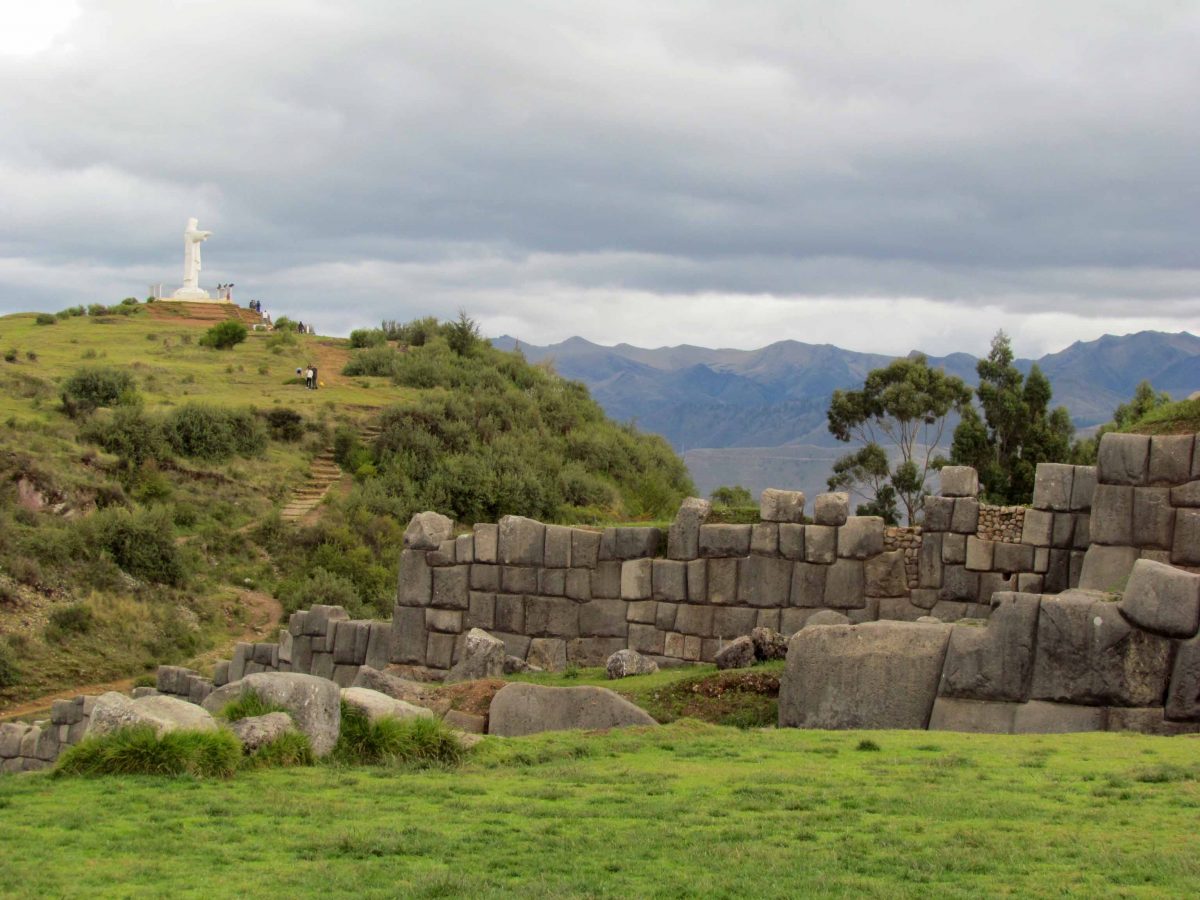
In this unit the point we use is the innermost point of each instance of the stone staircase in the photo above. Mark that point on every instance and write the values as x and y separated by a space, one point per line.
323 474
211 313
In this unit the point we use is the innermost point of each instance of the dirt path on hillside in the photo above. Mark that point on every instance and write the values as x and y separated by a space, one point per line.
263 615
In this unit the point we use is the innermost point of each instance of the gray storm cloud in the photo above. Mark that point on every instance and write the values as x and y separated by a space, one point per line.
656 173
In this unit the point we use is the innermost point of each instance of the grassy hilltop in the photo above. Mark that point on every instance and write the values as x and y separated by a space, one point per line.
148 530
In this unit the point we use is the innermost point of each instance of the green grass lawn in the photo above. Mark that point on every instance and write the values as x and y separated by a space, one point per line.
683 810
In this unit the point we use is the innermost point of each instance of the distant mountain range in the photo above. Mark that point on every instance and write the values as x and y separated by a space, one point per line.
757 417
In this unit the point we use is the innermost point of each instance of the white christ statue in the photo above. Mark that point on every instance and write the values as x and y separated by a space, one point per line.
193 237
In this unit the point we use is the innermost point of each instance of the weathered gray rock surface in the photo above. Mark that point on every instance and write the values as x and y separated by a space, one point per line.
427 530
625 663
737 654
378 706
519 709
257 731
483 657
314 703
1162 599
161 712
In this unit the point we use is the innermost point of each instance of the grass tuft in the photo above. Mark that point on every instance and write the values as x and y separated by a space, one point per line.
138 751
422 742
868 745
247 706
290 749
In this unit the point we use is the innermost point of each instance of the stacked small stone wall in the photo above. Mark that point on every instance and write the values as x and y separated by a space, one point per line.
557 595
26 747
906 539
1000 523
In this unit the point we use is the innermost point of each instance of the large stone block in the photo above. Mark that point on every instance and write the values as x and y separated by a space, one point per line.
820 544
1170 458
764 539
1052 486
578 585
553 617
603 618
781 506
629 543
1083 488
994 662
1147 720
350 642
1037 717
487 543
1063 533
1112 515
1104 568
522 541
464 548
1187 495
408 639
520 709
485 577
722 580
939 513
606 579
1162 599
959 584
697 580
991 583
518 579
885 576
1185 548
764 581
1123 458
451 587
664 616
930 569
1087 653
733 621
875 675
552 582
832 508
724 540
1009 558
692 619
585 548
1153 518
966 516
644 612
510 613
972 716
924 599
427 530
808 584
669 580
557 554
980 554
860 538
1183 694
683 537
791 541
845 585
444 620
954 548
637 579
959 481
415 586
646 639
593 651
1038 528
549 654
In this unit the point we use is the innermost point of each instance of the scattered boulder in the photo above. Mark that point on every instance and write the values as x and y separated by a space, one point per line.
624 663
466 722
483 657
419 693
378 706
258 731
519 709
874 675
737 654
314 703
427 530
768 644
514 665
161 712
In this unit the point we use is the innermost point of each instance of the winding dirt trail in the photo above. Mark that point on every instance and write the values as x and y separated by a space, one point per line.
263 615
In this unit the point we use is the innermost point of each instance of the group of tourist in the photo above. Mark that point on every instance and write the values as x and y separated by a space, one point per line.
310 376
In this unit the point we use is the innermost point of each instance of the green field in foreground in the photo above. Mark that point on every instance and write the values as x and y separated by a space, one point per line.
684 810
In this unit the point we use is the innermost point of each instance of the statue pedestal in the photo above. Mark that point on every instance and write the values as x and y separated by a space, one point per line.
190 293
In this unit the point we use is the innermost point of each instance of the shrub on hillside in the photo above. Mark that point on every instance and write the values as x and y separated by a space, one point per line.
214 433
132 434
141 543
138 751
10 672
285 424
373 361
94 386
361 338
64 621
224 335
45 319
320 586
416 333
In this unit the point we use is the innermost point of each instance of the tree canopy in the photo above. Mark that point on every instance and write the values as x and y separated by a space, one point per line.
905 406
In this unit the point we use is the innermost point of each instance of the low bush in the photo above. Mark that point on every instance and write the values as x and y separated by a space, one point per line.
319 586
372 361
290 749
362 338
141 543
145 680
64 621
132 434
419 742
285 424
10 672
247 706
45 319
95 386
138 751
224 335
214 433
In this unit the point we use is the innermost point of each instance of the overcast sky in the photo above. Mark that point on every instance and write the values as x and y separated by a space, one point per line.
879 175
